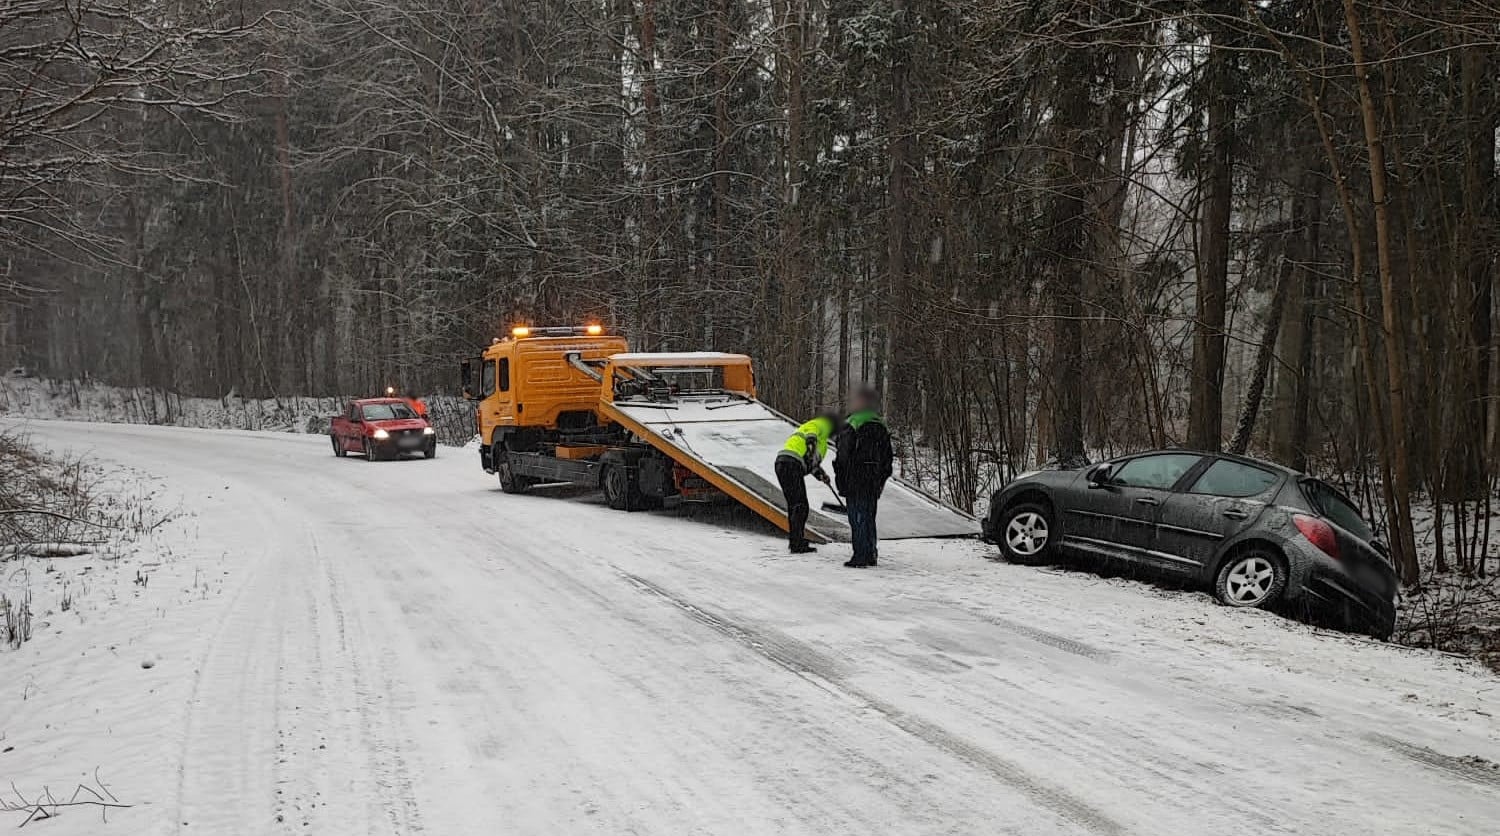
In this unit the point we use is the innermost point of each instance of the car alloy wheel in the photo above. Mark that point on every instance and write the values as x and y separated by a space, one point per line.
1027 533
1250 581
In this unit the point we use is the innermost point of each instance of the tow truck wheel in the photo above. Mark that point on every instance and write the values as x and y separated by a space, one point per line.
509 481
621 491
338 447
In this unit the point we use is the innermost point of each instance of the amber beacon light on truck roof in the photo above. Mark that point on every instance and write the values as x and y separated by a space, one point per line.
521 332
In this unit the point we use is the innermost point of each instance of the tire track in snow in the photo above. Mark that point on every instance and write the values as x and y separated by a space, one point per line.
813 667
792 795
1475 769
1050 639
1054 640
386 766
224 775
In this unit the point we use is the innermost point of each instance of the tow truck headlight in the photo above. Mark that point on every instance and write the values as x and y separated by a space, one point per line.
429 431
381 434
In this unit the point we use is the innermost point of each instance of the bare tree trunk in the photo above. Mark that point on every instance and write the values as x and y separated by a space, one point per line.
148 356
722 132
1264 353
800 298
1289 438
650 312
899 128
1206 403
1404 542
1072 167
1479 222
289 361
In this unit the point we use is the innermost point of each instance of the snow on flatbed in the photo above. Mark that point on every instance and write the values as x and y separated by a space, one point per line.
341 647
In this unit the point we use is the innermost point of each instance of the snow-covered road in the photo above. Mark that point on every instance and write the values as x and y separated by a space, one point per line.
339 647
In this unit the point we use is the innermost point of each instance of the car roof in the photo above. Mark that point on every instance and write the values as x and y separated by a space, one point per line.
369 401
1261 463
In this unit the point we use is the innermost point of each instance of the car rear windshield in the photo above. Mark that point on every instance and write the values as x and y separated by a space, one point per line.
1332 504
387 411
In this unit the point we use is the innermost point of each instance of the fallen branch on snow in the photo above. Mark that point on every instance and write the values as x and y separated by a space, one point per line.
46 806
72 549
53 514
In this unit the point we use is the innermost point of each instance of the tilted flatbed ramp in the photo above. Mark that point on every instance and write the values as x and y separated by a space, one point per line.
732 442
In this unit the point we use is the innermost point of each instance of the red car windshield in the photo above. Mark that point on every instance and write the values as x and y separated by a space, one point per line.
388 412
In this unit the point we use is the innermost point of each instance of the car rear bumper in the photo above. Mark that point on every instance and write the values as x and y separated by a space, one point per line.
1365 601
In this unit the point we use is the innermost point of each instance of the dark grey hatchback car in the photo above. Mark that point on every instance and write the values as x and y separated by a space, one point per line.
1259 534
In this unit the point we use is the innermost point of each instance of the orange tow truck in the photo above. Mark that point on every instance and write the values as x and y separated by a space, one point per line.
541 418
574 405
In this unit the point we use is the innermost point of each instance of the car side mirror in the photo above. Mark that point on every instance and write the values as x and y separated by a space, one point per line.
1099 476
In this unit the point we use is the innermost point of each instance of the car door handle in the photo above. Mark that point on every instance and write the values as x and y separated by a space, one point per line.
1236 515
1148 500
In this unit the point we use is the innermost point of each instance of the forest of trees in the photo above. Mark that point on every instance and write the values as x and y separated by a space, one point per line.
1045 228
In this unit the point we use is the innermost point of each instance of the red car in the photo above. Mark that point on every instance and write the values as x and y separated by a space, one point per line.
381 428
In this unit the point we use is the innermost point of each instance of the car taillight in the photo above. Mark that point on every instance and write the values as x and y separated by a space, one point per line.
1319 533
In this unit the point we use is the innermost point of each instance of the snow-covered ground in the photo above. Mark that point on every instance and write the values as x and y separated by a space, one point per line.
329 646
1454 610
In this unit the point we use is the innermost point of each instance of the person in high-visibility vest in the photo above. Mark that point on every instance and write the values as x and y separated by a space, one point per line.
800 457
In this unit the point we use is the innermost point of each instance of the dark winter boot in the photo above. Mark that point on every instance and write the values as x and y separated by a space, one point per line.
801 547
859 564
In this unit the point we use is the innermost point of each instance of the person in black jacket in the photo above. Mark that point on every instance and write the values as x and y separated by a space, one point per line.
860 468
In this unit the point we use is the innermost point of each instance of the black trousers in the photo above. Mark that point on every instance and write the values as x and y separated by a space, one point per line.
793 478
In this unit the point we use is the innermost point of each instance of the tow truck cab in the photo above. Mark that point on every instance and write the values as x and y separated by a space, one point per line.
527 393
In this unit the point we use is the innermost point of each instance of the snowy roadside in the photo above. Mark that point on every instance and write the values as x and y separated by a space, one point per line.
73 400
81 548
1455 611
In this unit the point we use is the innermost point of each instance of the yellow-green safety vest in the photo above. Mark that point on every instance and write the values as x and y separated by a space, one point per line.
817 430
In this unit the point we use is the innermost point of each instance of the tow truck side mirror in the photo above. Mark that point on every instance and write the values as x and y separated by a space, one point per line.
466 375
